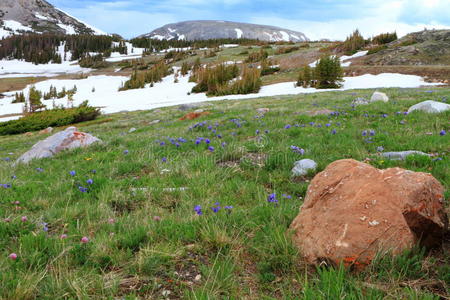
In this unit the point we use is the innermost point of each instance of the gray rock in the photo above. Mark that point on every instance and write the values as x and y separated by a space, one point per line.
379 96
154 122
302 167
402 154
132 130
430 106
360 101
184 107
64 140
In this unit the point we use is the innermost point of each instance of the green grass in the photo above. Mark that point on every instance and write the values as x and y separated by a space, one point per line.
246 253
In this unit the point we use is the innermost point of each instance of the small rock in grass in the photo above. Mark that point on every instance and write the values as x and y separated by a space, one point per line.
198 277
262 110
154 122
402 154
184 107
430 106
360 101
378 96
132 130
46 130
302 167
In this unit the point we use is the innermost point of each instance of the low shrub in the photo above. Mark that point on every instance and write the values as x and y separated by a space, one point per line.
377 49
50 118
286 50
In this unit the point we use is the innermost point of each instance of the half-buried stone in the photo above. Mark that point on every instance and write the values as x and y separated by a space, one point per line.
430 106
64 140
353 211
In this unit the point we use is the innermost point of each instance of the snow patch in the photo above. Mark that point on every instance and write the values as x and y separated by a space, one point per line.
168 93
68 28
285 36
239 33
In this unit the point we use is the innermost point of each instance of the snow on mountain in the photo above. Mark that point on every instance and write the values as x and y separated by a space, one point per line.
17 17
203 30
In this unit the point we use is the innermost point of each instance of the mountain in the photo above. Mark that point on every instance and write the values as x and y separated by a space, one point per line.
19 16
428 47
203 30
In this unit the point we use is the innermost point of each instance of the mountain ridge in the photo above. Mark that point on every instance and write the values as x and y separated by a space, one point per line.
21 16
217 29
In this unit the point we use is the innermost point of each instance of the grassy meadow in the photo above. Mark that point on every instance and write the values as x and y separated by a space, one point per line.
179 210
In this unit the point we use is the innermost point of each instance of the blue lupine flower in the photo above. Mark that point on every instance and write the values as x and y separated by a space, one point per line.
266 131
364 133
126 152
39 170
44 227
177 145
298 150
211 148
215 209
162 143
333 131
219 136
13 177
6 185
90 181
287 126
207 141
197 142
94 171
223 144
72 173
82 189
372 132
443 132
287 196
164 159
272 198
257 131
328 125
198 210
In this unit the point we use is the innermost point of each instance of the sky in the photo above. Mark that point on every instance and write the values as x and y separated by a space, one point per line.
318 19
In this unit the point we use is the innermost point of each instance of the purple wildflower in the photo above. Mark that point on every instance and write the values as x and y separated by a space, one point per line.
90 181
211 148
272 198
287 126
443 132
72 173
126 152
82 189
164 159
298 150
198 210
333 131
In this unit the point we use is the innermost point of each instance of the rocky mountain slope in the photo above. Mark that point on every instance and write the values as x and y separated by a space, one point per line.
428 47
203 30
19 16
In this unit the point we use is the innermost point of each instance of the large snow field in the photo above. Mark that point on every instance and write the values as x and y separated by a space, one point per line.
20 68
168 93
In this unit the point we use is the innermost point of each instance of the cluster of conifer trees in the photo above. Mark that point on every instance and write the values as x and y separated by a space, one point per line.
222 79
327 74
139 79
43 48
157 45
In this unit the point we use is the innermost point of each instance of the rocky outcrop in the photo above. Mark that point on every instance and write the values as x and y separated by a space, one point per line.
64 140
352 211
38 16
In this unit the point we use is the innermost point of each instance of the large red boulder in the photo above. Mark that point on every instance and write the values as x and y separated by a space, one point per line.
352 211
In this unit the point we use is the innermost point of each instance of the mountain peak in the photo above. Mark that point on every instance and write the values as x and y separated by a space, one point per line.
216 29
19 16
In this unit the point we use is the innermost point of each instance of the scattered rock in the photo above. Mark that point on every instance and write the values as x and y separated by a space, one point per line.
378 96
198 277
157 111
154 122
262 111
64 140
402 154
360 101
28 134
352 211
132 130
302 167
191 106
198 111
320 112
430 106
46 130
194 115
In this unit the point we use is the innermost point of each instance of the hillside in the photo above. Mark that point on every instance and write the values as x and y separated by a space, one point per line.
429 47
204 30
21 16
162 216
